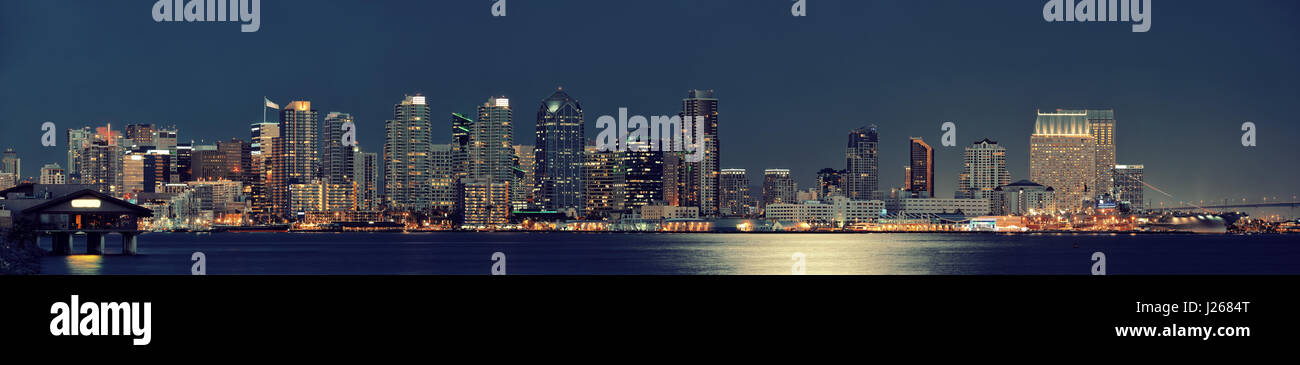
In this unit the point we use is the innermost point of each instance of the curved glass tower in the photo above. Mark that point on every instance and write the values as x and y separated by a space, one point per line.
558 156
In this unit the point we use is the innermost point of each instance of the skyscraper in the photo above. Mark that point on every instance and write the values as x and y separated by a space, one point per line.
336 159
11 163
861 179
141 135
921 183
830 182
984 170
408 165
366 166
558 166
734 194
525 174
698 181
260 151
460 129
491 142
1129 186
644 177
778 187
296 157
490 163
1101 125
236 160
1062 156
78 139
443 178
605 183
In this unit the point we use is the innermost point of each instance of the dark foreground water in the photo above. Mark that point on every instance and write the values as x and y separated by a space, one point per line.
651 253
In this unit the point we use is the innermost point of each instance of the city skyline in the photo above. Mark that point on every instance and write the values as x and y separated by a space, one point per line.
1156 113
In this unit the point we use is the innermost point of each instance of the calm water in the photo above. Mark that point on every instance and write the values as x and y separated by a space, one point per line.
649 253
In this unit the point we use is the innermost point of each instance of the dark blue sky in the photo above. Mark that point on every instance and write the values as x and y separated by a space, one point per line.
790 88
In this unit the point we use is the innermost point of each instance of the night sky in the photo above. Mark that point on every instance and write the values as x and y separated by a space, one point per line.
790 88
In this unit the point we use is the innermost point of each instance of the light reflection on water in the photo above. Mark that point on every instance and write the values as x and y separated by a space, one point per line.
85 264
691 254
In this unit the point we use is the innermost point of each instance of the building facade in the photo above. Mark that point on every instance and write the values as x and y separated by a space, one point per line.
734 194
408 166
1062 155
558 159
861 176
921 169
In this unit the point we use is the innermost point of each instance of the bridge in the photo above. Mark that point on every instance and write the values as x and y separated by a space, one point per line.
1291 204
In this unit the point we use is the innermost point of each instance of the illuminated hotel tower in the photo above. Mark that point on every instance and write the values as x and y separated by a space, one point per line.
408 151
1062 155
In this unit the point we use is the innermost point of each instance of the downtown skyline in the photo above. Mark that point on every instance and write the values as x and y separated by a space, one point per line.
794 118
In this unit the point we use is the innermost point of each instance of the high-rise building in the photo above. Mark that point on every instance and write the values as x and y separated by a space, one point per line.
460 130
525 175
558 166
491 142
644 178
140 135
336 160
983 171
101 164
11 163
53 174
861 176
605 183
672 178
144 169
733 192
1063 155
165 139
366 166
207 163
185 162
1129 185
698 181
830 183
260 152
408 169
443 177
778 187
236 160
486 203
1101 125
921 181
295 159
77 139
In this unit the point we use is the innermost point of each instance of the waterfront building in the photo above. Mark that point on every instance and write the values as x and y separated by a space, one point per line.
1063 156
605 183
296 159
734 194
1025 197
1129 185
984 170
486 203
967 207
778 187
835 212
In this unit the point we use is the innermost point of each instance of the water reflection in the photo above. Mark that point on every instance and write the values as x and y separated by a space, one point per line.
85 264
